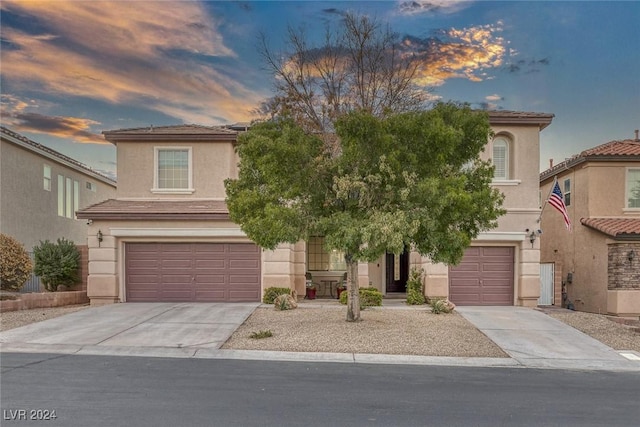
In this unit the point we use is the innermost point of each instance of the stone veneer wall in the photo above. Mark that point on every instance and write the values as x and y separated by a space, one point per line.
622 273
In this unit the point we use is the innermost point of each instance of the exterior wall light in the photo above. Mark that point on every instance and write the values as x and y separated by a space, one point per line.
99 236
631 255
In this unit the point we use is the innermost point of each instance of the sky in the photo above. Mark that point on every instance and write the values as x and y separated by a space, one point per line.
70 70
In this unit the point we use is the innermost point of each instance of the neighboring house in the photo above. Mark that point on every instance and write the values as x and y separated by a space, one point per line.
599 259
41 189
167 235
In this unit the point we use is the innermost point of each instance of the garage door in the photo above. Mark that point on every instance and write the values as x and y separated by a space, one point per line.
180 272
484 277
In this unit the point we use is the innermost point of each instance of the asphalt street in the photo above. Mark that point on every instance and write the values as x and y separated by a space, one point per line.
141 391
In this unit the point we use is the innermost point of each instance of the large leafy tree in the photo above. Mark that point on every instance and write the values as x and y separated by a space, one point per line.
407 179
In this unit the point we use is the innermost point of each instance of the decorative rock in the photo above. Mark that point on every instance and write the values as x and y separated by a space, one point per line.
285 302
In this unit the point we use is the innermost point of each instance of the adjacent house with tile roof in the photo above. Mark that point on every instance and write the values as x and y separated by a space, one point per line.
167 236
41 190
599 259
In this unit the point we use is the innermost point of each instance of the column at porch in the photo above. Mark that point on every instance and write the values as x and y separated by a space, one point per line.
299 267
528 275
363 274
279 267
436 279
102 282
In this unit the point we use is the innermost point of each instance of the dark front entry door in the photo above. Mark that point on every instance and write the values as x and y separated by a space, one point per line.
397 272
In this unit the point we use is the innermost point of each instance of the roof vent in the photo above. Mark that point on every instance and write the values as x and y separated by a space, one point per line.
637 139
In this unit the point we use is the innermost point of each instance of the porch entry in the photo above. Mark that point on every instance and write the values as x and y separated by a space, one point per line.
397 272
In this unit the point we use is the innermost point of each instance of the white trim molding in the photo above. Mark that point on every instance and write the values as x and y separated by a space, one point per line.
506 182
505 236
177 232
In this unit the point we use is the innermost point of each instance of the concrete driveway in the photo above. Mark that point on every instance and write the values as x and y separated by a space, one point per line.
536 340
167 329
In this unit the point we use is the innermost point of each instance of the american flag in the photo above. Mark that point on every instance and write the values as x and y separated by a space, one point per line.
557 201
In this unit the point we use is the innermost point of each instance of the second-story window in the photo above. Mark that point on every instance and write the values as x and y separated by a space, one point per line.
633 188
46 177
567 192
501 158
173 169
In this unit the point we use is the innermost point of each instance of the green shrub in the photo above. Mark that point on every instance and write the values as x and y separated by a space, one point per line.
415 289
261 334
369 297
270 294
15 264
57 263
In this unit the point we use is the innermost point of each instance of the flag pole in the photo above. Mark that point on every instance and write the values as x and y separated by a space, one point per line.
555 180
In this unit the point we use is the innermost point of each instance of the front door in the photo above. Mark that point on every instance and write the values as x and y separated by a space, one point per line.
397 272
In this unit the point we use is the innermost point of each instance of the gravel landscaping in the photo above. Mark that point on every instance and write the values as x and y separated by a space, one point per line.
15 319
381 331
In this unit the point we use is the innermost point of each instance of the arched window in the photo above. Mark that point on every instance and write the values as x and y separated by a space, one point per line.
501 158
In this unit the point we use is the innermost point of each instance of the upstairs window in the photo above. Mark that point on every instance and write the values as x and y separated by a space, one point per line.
173 169
567 192
633 188
68 197
46 177
501 158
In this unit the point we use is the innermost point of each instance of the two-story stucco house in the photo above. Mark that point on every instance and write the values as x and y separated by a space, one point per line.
599 259
167 235
41 190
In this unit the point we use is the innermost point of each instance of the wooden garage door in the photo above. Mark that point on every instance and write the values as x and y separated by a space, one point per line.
206 272
484 277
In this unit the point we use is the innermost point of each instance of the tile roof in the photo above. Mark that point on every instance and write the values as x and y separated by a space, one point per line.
55 155
615 227
519 117
172 133
628 147
175 130
625 150
156 209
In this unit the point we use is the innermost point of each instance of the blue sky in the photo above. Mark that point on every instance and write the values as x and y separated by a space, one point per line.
71 69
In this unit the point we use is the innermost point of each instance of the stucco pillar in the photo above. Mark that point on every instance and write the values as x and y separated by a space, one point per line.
102 282
363 274
278 267
528 287
436 279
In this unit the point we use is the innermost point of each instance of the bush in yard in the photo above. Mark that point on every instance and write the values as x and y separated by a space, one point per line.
415 290
270 294
369 297
15 264
57 263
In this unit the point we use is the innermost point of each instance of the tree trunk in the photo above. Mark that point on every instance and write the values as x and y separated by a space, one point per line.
353 294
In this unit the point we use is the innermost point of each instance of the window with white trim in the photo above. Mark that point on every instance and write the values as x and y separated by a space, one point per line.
500 158
173 169
567 192
319 259
46 177
68 196
633 188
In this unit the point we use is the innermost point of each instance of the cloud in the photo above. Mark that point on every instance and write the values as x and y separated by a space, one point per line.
125 53
527 66
15 115
493 98
432 6
457 53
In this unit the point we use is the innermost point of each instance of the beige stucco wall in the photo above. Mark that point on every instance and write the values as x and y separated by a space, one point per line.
522 204
28 212
597 190
213 162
